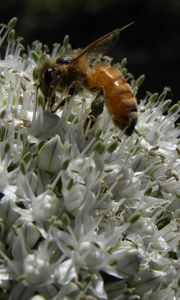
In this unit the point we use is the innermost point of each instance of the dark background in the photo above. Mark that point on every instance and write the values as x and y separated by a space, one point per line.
152 44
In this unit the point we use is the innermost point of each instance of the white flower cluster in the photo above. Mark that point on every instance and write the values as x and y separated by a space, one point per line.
84 215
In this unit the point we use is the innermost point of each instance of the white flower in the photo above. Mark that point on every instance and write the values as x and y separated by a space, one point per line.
84 213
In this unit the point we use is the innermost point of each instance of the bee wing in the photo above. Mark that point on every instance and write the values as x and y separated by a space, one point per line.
103 44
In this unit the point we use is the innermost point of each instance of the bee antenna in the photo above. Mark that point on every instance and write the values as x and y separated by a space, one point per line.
126 26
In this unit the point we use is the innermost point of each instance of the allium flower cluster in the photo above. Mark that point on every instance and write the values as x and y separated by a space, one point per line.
88 214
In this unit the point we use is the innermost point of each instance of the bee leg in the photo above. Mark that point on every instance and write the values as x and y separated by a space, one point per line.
61 103
97 107
50 99
75 88
51 94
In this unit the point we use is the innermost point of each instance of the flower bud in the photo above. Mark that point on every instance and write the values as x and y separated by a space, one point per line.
140 80
12 23
30 235
44 126
148 280
152 99
49 158
129 261
34 56
74 198
174 108
37 297
99 147
7 212
37 270
45 207
11 35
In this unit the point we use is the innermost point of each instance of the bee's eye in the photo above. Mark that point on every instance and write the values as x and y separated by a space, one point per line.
48 76
64 60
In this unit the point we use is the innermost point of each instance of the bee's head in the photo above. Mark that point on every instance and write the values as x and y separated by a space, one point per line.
47 79
48 76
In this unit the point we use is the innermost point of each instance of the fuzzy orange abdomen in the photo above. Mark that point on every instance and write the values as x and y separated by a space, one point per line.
120 102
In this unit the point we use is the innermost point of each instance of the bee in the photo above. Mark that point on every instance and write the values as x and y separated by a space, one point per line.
117 94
